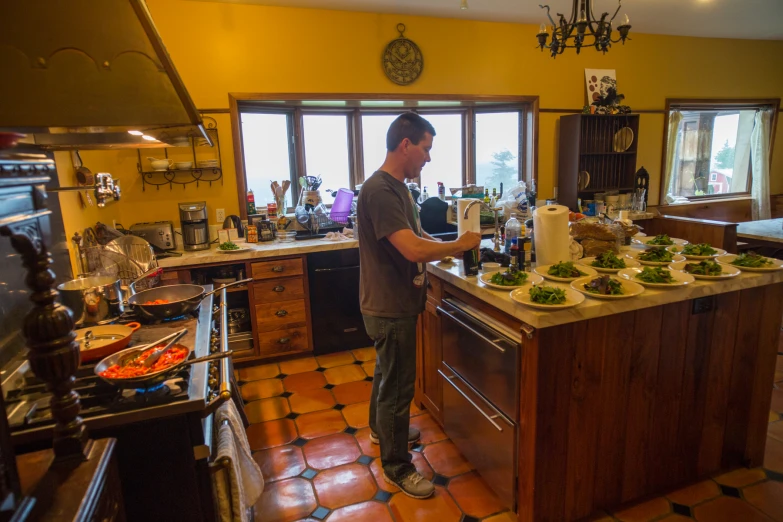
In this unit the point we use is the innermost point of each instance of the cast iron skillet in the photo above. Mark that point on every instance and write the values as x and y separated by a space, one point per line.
182 299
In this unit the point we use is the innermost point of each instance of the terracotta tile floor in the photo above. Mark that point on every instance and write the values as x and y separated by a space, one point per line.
309 435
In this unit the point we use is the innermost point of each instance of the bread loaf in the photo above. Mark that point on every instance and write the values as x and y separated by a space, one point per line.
593 230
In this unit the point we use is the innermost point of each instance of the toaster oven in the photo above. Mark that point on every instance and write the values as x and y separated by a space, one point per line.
159 234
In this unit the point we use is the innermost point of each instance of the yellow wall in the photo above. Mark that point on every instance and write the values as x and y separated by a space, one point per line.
220 48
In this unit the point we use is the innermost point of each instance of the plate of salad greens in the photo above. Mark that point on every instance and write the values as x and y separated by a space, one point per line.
751 262
507 279
608 262
607 287
659 240
697 251
660 256
229 247
546 297
707 269
564 271
657 277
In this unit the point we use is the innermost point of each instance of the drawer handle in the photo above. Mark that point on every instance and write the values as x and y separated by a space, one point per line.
284 340
278 268
464 395
281 313
278 289
471 330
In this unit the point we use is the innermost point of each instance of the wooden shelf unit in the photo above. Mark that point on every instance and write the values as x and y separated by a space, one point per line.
586 144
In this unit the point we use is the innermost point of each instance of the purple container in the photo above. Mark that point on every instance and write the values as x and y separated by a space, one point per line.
341 208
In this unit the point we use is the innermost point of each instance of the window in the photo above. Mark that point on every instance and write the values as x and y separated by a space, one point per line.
326 152
374 127
708 150
447 153
268 154
497 149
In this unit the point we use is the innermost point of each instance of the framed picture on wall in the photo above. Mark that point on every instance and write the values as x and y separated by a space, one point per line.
598 81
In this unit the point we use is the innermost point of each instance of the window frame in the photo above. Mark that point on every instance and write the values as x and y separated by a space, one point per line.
352 106
717 104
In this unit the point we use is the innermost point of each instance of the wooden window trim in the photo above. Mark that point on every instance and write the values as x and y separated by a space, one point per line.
706 104
467 105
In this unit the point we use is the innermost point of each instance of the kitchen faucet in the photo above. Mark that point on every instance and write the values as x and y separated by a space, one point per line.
497 223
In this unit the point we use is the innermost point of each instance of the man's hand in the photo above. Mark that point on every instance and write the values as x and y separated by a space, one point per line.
468 241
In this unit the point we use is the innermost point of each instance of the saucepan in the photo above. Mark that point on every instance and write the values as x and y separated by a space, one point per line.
153 378
93 300
98 342
176 300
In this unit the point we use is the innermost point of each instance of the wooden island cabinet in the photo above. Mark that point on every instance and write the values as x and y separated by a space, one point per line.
616 401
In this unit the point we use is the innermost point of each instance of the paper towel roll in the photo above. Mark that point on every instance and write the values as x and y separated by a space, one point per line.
550 227
473 223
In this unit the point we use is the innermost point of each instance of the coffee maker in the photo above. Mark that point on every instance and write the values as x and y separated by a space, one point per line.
195 227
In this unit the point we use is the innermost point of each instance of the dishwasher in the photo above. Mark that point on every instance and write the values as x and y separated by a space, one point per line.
334 301
480 372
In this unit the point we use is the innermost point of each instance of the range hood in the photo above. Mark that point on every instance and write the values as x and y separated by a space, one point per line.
81 74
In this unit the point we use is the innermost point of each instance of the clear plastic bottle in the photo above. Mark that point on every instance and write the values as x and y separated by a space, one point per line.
513 230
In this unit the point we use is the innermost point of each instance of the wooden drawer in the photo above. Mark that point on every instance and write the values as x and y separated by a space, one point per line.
278 316
175 277
275 269
283 341
276 290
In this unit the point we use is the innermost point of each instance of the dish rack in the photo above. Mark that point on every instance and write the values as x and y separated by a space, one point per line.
102 261
334 221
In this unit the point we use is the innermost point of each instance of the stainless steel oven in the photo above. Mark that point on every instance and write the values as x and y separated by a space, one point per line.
480 372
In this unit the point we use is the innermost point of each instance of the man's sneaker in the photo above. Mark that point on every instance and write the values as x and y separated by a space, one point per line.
413 436
414 485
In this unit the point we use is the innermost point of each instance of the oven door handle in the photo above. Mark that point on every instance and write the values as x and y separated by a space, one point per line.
491 419
225 390
472 330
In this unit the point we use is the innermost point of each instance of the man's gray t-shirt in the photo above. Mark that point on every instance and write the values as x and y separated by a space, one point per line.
390 285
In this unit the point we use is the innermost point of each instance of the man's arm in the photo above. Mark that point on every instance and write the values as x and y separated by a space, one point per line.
419 250
427 236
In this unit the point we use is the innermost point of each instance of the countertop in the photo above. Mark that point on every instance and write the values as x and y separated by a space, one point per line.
591 308
764 230
256 251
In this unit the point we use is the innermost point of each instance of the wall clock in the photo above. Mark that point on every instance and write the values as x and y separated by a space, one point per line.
402 60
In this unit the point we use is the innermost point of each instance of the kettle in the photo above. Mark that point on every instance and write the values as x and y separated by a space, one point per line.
235 222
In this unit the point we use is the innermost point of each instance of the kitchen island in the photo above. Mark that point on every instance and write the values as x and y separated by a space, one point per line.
568 412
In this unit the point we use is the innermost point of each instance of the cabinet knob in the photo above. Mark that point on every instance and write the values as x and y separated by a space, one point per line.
281 313
278 289
278 268
284 340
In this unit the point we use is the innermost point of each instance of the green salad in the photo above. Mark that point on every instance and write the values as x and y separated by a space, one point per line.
751 260
228 245
661 239
508 278
548 295
702 249
608 260
565 269
655 275
604 285
706 268
656 255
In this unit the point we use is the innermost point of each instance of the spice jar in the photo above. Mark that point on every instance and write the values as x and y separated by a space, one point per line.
252 234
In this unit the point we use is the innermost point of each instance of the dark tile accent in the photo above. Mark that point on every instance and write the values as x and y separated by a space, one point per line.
286 394
281 376
382 496
365 459
369 379
730 491
320 513
319 369
418 448
681 510
466 518
440 480
292 416
338 407
242 383
350 430
359 362
309 474
329 386
299 442
774 475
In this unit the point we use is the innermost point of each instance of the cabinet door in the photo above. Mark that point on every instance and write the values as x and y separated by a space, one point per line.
431 355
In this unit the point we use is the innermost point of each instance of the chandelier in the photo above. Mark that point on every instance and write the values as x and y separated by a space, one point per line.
581 29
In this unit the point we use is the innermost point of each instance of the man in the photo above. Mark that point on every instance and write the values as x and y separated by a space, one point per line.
393 252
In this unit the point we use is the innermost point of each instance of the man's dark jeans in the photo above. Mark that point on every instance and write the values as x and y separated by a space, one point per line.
392 389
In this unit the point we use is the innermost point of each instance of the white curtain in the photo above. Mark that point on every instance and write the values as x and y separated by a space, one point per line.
675 117
759 156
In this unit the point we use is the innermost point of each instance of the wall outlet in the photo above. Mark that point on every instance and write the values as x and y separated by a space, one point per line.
220 215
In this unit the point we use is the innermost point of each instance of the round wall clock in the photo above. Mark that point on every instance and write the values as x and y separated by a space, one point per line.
402 59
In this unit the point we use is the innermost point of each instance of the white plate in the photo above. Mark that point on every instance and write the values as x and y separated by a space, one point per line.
640 234
677 249
635 256
629 262
630 288
236 251
644 243
522 296
729 271
531 279
541 270
777 264
681 278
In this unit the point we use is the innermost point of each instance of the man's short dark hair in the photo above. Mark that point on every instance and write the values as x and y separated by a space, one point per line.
408 125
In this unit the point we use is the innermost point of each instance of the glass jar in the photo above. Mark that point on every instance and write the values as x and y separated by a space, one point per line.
252 234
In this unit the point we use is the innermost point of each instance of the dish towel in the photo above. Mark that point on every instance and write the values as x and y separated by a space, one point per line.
245 475
226 482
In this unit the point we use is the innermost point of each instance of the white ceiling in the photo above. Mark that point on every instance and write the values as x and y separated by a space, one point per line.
753 19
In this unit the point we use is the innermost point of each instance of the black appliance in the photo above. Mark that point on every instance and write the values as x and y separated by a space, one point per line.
334 301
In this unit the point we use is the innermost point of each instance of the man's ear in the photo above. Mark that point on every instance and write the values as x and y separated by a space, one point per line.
404 144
